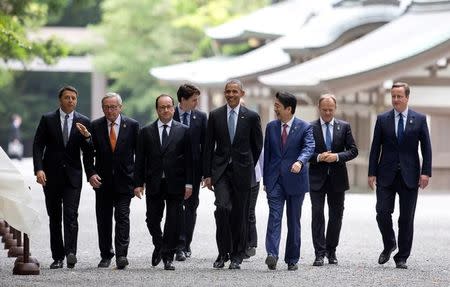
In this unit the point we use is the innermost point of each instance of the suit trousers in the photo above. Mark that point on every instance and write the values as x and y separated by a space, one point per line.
276 199
156 202
324 245
108 202
189 217
385 208
231 216
62 203
252 232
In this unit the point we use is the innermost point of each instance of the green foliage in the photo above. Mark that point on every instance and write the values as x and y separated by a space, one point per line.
141 34
18 16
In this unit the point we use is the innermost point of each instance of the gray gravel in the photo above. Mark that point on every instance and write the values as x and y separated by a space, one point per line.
360 244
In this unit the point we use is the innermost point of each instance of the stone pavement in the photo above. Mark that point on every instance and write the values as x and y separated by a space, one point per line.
360 244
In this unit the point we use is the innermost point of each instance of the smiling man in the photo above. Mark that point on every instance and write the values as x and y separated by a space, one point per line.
57 165
232 148
288 145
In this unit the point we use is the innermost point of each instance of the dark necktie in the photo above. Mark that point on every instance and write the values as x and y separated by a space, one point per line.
284 136
185 119
164 135
328 137
400 129
65 130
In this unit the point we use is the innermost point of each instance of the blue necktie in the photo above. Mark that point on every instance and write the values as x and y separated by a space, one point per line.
231 124
65 130
400 129
328 137
185 119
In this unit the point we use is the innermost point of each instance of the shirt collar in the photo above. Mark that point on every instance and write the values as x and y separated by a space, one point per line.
404 113
181 111
117 121
236 109
322 122
63 114
289 123
160 123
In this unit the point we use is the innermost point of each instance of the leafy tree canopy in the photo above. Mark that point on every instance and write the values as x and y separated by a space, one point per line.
141 34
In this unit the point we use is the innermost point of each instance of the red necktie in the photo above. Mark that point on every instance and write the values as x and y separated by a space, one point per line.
284 135
112 137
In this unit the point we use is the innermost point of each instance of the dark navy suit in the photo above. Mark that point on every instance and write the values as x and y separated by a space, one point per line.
284 186
396 166
197 131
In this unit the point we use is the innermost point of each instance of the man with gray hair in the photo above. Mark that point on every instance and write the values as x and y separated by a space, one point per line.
114 137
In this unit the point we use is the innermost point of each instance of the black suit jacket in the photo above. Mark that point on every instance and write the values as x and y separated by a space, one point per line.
175 159
57 161
344 145
244 151
116 169
197 130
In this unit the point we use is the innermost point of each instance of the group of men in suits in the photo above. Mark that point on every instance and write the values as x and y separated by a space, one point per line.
170 157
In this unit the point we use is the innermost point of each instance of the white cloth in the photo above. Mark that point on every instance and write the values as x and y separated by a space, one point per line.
15 199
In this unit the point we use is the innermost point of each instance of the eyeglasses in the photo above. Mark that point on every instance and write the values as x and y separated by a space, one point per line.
113 108
163 108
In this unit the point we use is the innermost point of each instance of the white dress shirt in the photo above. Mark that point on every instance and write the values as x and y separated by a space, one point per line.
62 116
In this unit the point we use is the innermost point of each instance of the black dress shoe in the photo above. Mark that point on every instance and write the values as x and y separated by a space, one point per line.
121 262
271 262
318 261
220 261
179 256
332 258
188 252
168 265
71 260
251 251
57 264
156 256
234 265
292 266
401 265
104 263
386 255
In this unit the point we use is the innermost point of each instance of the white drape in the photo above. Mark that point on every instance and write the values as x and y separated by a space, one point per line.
15 200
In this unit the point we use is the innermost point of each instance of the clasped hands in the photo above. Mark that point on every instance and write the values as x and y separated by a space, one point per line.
327 156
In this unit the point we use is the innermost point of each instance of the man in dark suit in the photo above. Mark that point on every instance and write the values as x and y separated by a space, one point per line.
394 167
164 165
187 114
229 160
288 145
114 137
328 177
57 165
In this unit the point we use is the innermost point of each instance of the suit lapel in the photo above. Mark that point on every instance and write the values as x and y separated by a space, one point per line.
292 132
410 121
391 125
73 129
176 115
122 132
240 118
58 127
337 131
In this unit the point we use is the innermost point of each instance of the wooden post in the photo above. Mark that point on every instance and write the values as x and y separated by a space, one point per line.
17 250
26 267
9 239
